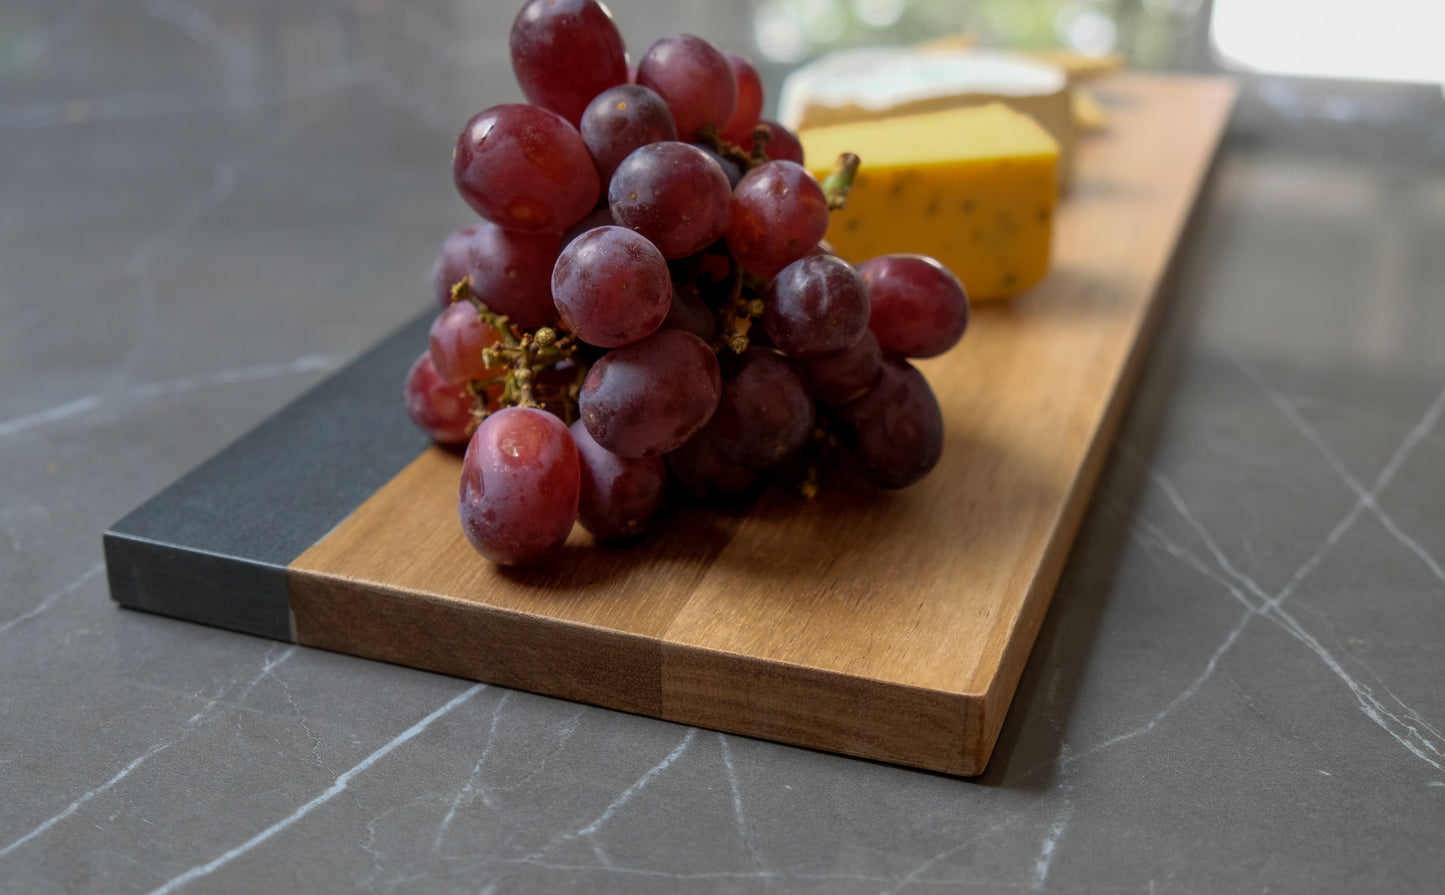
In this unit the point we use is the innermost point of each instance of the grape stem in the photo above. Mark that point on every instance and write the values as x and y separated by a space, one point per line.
522 356
822 449
520 381
462 291
737 316
708 136
762 136
837 184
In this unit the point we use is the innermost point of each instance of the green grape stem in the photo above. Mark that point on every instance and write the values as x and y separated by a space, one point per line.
522 356
537 350
837 185
462 291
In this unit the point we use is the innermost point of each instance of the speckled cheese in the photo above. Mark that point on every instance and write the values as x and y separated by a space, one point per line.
973 188
886 82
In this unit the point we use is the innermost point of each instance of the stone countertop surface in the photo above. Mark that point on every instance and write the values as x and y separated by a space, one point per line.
1240 686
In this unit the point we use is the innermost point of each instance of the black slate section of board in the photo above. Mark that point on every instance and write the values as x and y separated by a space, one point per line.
214 546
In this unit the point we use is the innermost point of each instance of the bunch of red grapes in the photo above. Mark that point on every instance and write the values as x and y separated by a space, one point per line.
649 304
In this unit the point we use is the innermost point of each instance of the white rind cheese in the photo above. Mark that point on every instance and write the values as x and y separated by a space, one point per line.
884 82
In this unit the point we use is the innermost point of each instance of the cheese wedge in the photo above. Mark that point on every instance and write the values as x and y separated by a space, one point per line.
885 82
971 187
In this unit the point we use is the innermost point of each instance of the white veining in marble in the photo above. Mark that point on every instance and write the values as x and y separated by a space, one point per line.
473 780
52 599
180 385
187 728
1050 843
336 788
589 830
1368 498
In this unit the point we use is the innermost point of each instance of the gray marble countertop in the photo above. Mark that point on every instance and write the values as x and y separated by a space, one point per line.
208 206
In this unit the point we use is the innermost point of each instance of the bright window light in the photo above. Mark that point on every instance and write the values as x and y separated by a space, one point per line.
1379 40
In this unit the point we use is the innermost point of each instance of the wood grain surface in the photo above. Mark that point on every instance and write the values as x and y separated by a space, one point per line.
887 625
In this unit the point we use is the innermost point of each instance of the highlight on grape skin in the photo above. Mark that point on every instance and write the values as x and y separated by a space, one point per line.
456 341
673 194
441 409
816 306
611 287
564 52
695 80
779 213
520 486
621 119
524 168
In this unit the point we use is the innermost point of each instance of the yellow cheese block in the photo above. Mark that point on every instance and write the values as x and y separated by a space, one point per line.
971 187
886 82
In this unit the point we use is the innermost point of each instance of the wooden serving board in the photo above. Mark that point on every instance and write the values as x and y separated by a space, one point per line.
888 625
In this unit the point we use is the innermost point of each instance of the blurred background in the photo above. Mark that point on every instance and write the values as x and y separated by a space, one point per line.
262 42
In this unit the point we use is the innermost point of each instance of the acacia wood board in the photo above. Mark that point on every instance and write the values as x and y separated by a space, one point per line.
887 625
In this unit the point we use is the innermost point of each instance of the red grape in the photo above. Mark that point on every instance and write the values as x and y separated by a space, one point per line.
729 167
564 52
895 430
611 287
619 120
815 307
783 144
597 217
705 473
525 168
779 214
691 313
620 495
648 398
439 408
511 273
919 308
521 481
708 269
739 130
458 336
673 194
764 415
695 80
842 377
451 264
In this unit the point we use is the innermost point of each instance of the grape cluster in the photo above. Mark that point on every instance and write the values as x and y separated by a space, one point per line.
648 304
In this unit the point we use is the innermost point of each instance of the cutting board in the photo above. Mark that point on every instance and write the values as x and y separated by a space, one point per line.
887 625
